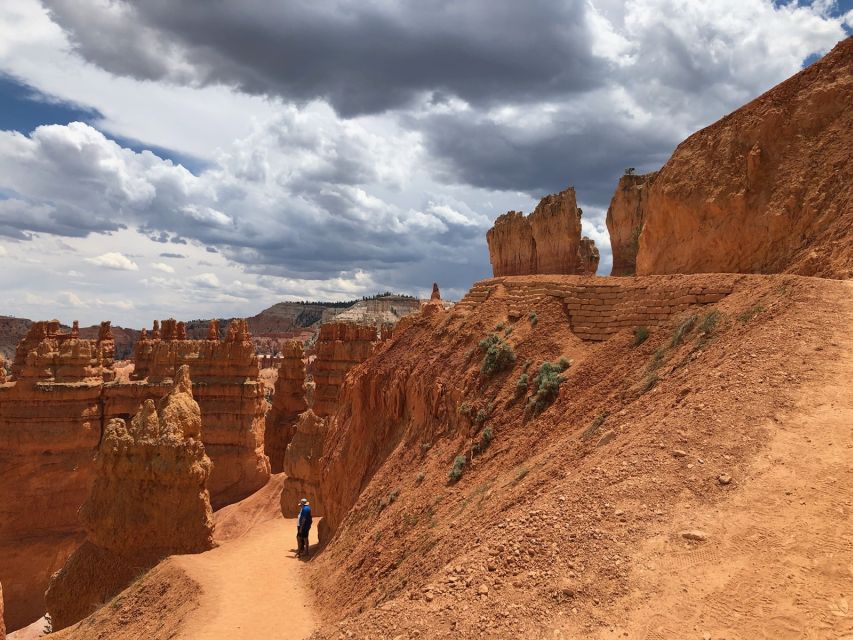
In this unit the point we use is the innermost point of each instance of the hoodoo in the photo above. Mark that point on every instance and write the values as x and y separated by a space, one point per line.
768 188
149 500
288 402
546 241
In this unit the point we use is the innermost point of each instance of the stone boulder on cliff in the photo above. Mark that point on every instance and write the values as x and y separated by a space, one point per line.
768 188
149 500
546 241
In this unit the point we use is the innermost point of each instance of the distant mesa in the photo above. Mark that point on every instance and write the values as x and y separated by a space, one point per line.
548 241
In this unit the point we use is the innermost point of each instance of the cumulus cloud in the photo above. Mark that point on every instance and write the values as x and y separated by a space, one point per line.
162 266
114 260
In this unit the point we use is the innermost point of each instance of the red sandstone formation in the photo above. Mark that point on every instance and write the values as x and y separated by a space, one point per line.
625 220
288 403
546 241
2 624
50 426
228 390
340 347
588 257
149 500
768 188
302 465
433 305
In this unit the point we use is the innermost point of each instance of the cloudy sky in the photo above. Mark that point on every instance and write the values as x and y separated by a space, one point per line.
198 159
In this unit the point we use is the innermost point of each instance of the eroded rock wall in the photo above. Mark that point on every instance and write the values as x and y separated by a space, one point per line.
625 217
228 390
288 402
302 465
50 426
2 624
768 188
546 241
340 346
149 499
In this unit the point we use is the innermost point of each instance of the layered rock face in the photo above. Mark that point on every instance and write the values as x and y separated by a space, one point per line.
50 426
227 388
340 346
288 403
546 241
625 217
302 465
149 499
768 188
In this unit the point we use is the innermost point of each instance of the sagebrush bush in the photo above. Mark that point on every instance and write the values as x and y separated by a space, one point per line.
498 355
457 469
533 319
521 385
683 328
547 383
709 322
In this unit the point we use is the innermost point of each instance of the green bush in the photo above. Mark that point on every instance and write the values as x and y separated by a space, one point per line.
709 322
420 477
533 319
641 334
500 326
593 428
457 469
521 385
389 499
485 440
498 355
465 409
507 331
564 363
750 313
547 383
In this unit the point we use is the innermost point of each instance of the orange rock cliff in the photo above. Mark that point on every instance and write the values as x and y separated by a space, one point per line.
288 402
149 499
768 188
55 405
625 221
546 241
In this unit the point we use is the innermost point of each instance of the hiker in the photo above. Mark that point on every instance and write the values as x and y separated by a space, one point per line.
303 526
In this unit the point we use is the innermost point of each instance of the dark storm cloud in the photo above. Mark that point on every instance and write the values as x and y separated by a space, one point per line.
173 255
480 152
362 57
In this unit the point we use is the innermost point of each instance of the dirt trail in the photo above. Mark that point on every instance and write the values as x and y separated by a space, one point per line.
778 561
251 587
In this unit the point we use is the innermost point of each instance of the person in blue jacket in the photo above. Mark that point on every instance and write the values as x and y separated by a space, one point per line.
303 526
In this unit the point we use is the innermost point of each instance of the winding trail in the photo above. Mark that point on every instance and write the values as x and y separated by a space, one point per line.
251 587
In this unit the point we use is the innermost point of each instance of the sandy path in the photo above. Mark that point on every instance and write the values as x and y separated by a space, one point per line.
252 587
778 562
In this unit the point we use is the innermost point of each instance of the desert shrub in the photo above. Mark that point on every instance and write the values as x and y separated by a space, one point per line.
485 440
420 477
507 331
481 417
564 363
547 383
520 473
457 469
650 381
657 358
709 322
498 355
521 385
593 428
641 334
750 313
684 327
388 500
533 319
500 326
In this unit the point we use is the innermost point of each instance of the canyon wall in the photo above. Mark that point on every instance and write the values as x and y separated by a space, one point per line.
2 623
625 217
288 402
50 426
768 188
340 346
546 241
149 499
228 389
